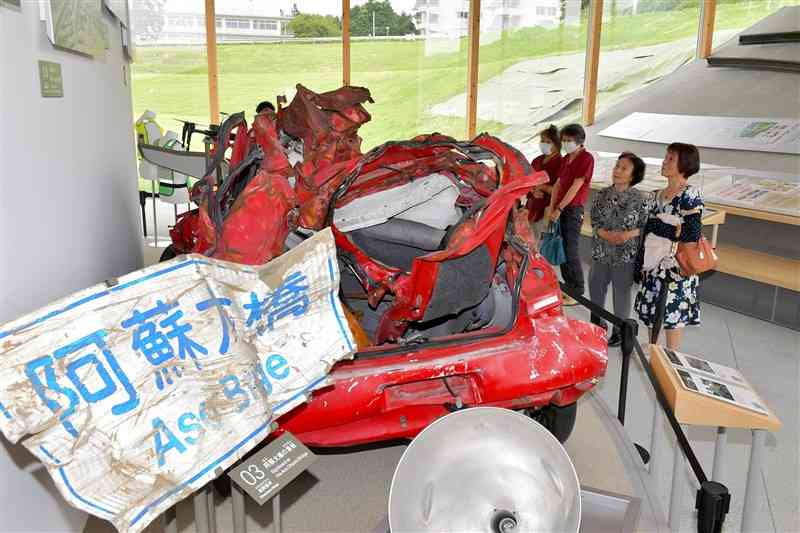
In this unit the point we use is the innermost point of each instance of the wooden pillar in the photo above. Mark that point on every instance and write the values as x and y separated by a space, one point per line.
211 54
592 61
472 67
345 42
705 33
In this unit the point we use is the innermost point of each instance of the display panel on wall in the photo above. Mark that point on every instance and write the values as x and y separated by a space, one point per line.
77 25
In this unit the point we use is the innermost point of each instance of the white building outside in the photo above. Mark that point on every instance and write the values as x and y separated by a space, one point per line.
451 17
236 20
445 22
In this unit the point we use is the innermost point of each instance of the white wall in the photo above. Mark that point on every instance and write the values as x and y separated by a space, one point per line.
68 210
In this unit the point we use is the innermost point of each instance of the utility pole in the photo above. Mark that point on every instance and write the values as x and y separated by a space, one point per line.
373 23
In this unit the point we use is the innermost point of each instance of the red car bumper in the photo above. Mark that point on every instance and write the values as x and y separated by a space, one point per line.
550 359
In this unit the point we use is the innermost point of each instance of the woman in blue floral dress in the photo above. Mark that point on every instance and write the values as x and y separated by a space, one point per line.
676 215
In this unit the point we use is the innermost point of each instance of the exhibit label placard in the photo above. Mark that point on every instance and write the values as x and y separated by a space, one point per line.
264 474
50 80
136 392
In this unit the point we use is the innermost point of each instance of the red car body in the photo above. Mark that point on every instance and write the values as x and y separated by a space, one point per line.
401 380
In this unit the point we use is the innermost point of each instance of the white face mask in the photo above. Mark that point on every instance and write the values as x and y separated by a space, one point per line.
570 146
546 148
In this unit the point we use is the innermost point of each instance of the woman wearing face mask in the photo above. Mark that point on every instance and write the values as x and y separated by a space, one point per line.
675 215
550 162
619 213
567 200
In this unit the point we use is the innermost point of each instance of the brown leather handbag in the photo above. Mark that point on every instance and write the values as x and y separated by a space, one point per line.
696 257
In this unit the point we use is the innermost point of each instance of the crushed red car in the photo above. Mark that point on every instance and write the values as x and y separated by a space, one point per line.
445 292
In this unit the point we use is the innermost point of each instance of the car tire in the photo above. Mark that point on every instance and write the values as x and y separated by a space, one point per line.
558 420
168 253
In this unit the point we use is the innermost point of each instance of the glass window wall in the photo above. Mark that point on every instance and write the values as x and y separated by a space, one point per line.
413 58
641 42
734 16
531 68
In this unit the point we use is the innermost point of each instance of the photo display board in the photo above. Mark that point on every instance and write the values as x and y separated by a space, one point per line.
715 381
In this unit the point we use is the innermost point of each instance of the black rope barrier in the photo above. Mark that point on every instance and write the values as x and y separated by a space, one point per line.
712 499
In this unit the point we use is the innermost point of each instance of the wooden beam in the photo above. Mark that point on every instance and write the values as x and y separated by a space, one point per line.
345 42
474 39
705 34
592 61
211 54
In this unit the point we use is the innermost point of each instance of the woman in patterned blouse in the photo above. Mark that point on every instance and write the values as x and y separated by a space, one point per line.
675 214
618 214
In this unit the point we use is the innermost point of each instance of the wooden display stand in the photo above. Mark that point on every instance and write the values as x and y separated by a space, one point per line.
693 408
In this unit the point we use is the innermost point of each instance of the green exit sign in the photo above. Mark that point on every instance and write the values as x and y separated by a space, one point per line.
50 79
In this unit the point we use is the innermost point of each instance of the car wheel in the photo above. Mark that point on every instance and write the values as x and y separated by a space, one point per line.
168 253
558 420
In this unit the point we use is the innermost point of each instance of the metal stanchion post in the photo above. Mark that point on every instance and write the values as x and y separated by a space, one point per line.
678 485
276 512
239 516
212 509
751 491
628 332
155 221
142 204
201 517
170 520
713 502
655 438
719 453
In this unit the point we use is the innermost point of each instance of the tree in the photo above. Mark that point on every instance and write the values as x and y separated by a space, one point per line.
147 19
361 20
305 25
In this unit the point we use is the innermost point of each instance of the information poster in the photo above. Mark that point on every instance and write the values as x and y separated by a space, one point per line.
779 135
713 370
715 381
